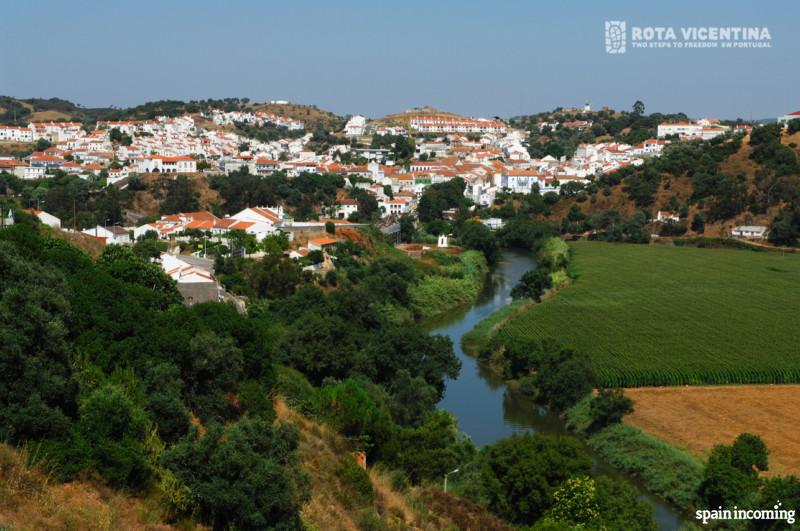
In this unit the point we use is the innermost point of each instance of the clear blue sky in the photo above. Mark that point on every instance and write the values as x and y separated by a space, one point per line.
486 58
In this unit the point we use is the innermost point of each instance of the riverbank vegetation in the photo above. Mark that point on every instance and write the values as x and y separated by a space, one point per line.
663 469
458 282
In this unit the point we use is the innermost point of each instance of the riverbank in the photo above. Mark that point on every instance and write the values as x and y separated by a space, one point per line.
487 408
458 282
665 470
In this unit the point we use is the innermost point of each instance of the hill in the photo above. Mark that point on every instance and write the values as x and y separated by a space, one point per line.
311 115
712 186
663 315
403 118
31 499
21 111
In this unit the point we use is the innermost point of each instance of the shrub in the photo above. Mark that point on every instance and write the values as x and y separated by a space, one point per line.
521 473
356 486
608 407
563 378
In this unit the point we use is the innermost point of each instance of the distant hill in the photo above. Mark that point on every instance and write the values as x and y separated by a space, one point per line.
727 182
22 111
402 118
311 115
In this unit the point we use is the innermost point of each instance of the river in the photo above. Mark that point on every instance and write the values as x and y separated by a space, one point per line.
486 409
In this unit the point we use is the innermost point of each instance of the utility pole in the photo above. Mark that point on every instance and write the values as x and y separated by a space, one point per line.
445 479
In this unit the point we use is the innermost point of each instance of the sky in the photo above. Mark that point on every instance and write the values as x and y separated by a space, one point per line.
480 58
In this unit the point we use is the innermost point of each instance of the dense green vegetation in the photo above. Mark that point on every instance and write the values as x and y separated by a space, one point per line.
606 125
662 468
543 480
302 194
459 282
16 108
69 197
104 367
666 316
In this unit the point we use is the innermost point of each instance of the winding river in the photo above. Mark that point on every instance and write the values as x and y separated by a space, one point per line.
486 409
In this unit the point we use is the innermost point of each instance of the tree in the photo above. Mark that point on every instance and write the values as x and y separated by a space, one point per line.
638 108
723 484
434 448
275 276
37 389
608 407
352 412
575 501
330 227
242 476
533 284
475 235
407 229
749 454
122 263
213 369
731 473
164 403
563 378
520 473
412 397
698 222
622 507
112 430
440 197
783 490
181 196
785 227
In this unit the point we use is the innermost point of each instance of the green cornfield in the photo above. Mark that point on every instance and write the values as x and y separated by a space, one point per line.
652 315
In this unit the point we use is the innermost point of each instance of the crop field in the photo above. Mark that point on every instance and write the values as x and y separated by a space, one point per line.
698 417
658 315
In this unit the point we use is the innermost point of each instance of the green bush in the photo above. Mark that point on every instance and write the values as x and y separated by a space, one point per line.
662 468
608 407
294 386
458 285
356 486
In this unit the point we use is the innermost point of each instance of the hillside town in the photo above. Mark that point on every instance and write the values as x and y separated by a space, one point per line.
491 157
488 154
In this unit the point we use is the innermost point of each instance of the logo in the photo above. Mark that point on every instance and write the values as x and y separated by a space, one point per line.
615 36
684 37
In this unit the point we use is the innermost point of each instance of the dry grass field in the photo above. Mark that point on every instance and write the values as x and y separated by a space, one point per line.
697 418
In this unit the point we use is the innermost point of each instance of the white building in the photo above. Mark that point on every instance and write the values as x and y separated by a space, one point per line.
183 272
46 218
786 118
346 207
162 164
10 133
449 124
355 126
665 215
750 232
704 129
110 235
395 207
